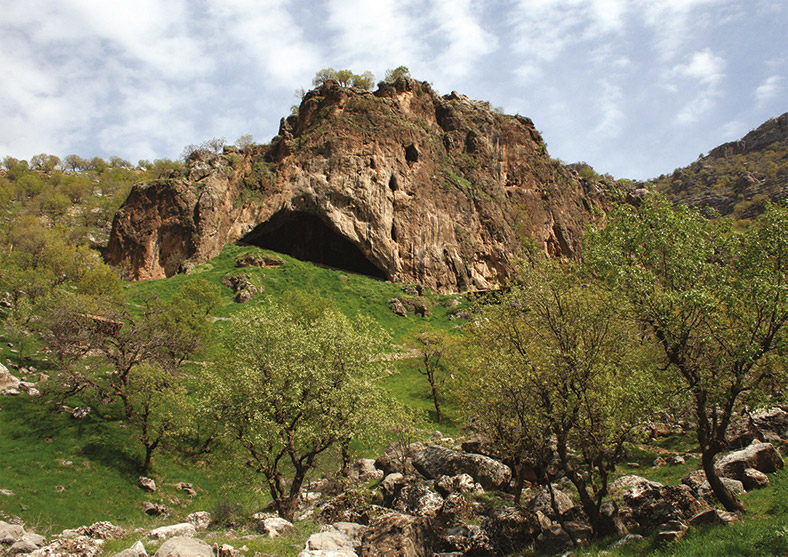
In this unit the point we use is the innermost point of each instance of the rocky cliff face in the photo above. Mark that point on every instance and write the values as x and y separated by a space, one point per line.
401 184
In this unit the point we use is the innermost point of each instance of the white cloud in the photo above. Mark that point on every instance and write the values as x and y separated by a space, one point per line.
770 89
708 70
467 40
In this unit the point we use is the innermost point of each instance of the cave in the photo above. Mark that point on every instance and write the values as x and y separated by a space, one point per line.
306 237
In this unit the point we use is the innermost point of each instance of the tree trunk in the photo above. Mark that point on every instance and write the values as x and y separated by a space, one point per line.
437 404
723 494
148 457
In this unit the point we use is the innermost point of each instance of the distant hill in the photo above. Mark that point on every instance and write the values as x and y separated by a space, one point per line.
738 177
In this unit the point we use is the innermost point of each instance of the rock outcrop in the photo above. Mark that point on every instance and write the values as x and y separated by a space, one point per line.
401 184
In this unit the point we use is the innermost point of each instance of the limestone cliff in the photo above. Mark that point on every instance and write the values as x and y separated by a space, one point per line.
401 184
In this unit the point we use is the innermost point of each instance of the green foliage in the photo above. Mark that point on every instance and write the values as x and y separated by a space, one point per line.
345 78
715 299
400 72
286 390
555 360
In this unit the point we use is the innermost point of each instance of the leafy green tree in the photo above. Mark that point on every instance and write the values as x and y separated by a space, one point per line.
287 390
716 301
125 365
400 72
557 376
345 78
75 162
432 348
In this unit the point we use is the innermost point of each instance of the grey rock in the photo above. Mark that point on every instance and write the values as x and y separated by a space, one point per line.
435 461
147 484
761 456
713 517
274 526
136 550
754 479
10 533
183 529
181 546
200 520
22 546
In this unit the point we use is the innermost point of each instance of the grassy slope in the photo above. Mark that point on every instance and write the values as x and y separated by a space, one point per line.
101 482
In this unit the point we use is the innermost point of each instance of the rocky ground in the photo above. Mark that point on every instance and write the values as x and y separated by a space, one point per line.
435 498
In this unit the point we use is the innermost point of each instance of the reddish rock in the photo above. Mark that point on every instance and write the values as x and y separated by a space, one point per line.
401 184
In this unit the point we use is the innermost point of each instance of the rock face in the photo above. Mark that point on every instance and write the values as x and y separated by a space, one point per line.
436 461
400 184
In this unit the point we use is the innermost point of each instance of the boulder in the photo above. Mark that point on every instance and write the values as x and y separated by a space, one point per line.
183 529
398 535
8 382
364 470
754 479
761 456
23 546
461 483
78 545
512 529
274 526
466 540
182 546
705 492
714 517
154 509
767 425
419 500
200 520
456 509
10 533
543 502
340 539
147 484
397 459
436 461
101 531
649 505
136 550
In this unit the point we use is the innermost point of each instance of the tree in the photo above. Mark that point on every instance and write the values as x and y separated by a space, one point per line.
345 78
556 376
126 365
401 72
287 390
244 142
432 347
716 300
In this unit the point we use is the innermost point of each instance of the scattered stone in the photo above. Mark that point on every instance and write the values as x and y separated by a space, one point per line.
147 484
754 479
435 461
225 550
339 539
398 459
184 546
398 534
154 509
175 530
10 533
274 526
22 546
200 520
705 492
626 540
659 461
543 501
461 483
101 531
8 382
245 290
396 305
258 260
7 493
418 500
77 545
761 456
467 539
136 550
715 517
675 460
81 412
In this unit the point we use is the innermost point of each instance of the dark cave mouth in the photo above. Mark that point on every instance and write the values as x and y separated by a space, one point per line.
306 237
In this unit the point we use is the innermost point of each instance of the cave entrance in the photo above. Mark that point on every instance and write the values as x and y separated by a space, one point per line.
307 237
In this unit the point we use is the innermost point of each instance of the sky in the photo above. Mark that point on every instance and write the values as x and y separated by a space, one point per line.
636 88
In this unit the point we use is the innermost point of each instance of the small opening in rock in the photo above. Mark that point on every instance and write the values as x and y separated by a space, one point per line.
411 153
307 237
372 163
393 183
393 233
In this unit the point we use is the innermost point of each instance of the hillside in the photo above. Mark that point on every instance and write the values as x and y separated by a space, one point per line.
738 177
401 184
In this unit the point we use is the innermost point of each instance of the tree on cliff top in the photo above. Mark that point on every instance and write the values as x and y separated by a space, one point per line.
287 389
716 300
346 78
